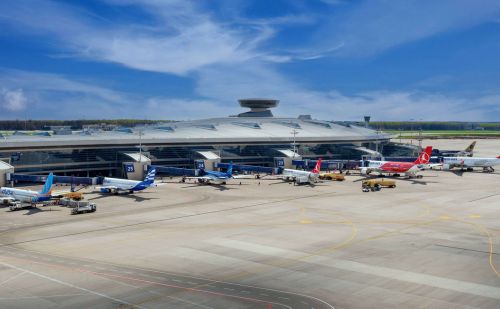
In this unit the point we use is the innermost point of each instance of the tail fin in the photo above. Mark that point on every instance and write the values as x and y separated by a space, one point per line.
425 156
150 176
317 168
230 169
471 147
47 187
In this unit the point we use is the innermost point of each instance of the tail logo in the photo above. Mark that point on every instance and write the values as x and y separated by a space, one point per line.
425 157
317 167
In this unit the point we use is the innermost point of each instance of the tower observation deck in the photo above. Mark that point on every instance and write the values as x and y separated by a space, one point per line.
258 107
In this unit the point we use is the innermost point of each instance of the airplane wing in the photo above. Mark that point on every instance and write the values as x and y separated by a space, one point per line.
428 166
108 189
199 177
244 176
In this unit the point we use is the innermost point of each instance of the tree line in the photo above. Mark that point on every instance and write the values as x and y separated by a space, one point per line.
20 125
433 125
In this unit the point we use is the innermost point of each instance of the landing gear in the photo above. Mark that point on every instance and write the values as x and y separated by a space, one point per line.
488 169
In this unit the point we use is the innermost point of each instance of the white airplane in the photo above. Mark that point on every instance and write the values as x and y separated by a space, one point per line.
467 152
301 177
470 162
116 185
215 177
11 195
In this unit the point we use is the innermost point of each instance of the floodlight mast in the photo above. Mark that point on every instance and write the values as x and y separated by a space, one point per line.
294 133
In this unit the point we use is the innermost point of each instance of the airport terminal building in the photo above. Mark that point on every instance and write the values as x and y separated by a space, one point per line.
255 137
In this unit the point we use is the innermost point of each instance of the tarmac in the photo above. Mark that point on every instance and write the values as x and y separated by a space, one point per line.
428 243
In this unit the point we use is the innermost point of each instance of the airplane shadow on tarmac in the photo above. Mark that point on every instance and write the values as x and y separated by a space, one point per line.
34 210
136 196
217 187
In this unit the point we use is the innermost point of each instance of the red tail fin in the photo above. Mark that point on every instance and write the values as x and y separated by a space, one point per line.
425 156
317 168
498 157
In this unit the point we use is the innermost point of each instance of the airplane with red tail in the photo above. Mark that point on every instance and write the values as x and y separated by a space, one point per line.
302 177
391 167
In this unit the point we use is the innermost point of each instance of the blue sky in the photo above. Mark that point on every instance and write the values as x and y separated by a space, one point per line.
176 59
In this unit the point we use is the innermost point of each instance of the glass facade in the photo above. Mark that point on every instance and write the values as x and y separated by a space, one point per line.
90 162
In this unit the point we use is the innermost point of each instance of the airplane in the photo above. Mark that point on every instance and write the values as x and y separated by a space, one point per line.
11 195
299 176
467 152
388 167
215 177
469 163
117 185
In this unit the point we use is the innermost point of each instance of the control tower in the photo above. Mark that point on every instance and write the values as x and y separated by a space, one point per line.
258 107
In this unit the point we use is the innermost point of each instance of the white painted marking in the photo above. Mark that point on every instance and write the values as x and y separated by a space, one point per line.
12 278
385 272
176 280
212 258
70 285
189 302
44 296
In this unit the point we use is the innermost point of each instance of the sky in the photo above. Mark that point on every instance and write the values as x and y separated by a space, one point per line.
180 60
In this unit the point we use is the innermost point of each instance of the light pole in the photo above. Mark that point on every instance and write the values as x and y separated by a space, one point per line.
140 145
294 133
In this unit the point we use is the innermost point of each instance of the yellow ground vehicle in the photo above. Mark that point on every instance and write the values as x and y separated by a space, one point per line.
77 196
332 176
377 184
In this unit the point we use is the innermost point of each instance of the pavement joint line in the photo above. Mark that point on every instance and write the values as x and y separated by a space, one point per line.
169 219
12 278
255 300
69 284
44 296
193 277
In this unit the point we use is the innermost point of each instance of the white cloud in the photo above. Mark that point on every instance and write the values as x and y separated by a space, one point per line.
179 39
12 100
377 25
231 59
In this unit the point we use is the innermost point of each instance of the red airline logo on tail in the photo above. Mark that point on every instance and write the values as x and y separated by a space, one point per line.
317 168
425 156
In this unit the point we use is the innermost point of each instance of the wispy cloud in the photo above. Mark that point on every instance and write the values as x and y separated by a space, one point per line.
231 59
377 25
182 38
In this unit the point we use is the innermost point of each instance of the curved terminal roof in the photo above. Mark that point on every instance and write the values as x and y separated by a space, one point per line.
215 131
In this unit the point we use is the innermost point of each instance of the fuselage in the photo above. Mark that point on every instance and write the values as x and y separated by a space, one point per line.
470 162
27 196
300 176
123 184
392 166
217 177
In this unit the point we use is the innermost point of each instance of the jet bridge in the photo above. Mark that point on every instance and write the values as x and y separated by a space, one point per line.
5 170
136 169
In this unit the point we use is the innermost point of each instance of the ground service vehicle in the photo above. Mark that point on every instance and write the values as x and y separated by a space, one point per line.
332 176
84 207
17 205
77 196
377 184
